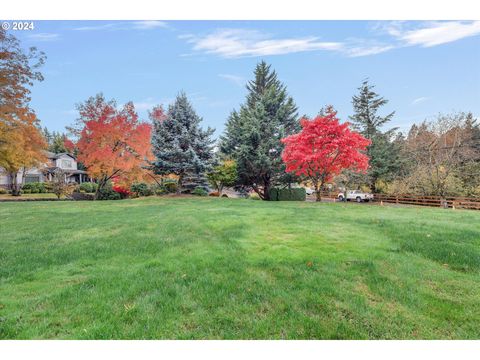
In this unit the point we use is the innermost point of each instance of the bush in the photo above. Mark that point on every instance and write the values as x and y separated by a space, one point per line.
82 196
170 186
110 192
254 196
199 191
107 193
122 190
35 188
141 189
161 191
88 187
293 194
27 191
3 191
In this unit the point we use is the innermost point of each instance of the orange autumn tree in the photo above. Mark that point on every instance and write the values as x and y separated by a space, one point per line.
112 142
21 142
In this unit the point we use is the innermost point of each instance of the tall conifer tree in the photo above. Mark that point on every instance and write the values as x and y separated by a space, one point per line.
253 133
383 152
180 146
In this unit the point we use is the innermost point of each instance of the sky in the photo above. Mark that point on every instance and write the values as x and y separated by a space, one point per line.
422 68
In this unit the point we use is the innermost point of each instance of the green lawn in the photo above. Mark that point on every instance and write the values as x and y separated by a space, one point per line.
197 268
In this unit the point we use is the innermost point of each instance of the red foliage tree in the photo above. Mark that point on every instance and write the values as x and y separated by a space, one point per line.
112 142
323 149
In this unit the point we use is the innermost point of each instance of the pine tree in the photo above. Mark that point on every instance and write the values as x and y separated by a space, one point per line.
252 134
366 105
383 152
180 146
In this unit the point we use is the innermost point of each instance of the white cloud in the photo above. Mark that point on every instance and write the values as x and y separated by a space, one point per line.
133 25
44 37
237 80
149 24
357 51
420 100
434 33
96 27
234 43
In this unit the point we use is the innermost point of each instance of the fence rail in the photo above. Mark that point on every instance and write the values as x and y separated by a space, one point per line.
458 202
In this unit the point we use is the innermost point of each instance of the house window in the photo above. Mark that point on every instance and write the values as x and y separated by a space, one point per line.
66 164
32 178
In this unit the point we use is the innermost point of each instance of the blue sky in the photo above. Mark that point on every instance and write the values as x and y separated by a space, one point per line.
423 68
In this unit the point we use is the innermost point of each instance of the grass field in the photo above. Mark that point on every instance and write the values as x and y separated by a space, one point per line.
197 268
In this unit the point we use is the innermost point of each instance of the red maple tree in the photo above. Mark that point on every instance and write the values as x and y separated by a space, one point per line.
323 149
112 142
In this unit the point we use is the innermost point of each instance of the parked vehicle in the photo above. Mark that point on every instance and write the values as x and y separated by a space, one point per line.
309 191
357 195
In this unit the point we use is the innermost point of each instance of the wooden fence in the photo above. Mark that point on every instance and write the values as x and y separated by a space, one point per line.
457 202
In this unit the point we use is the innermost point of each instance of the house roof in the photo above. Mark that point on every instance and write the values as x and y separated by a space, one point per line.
52 169
52 155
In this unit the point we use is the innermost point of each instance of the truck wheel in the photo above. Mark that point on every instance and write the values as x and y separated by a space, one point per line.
359 199
340 198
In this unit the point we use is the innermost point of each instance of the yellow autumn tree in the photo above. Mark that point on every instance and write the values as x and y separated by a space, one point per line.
21 142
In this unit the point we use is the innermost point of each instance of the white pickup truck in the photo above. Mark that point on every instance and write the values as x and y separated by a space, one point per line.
356 195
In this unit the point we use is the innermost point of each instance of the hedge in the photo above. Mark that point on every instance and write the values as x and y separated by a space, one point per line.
295 194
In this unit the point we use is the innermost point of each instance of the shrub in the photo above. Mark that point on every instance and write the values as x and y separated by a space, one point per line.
58 185
161 191
107 193
30 187
88 187
254 196
170 186
82 196
199 191
141 189
27 191
3 191
35 187
293 194
122 190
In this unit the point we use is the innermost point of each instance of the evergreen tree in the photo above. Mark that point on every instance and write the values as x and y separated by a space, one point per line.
58 143
180 146
55 141
252 134
383 151
366 105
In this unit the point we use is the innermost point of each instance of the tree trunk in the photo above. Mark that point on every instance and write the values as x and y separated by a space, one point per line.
101 185
318 195
179 185
14 186
266 190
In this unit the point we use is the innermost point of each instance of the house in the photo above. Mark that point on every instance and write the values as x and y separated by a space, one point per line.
64 161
